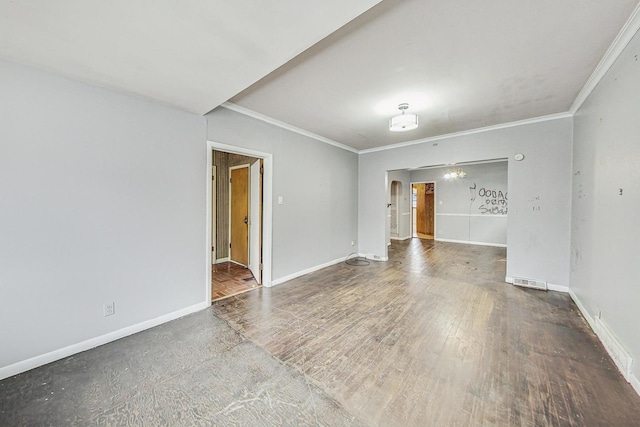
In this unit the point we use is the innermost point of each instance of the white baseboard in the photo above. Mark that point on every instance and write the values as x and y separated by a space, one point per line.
635 383
401 238
558 288
620 356
374 257
219 260
305 271
583 310
618 353
467 242
550 286
52 356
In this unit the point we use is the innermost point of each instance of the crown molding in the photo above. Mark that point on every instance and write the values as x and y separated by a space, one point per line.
621 41
470 132
247 112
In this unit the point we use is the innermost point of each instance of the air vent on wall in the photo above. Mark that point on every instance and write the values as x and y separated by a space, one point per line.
530 283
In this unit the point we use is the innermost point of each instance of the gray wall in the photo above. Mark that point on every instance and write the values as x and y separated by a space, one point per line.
102 199
538 230
471 209
319 185
605 243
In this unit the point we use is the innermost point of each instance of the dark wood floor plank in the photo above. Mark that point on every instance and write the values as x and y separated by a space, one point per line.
435 337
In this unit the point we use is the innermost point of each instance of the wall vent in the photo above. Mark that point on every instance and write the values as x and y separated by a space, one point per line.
530 283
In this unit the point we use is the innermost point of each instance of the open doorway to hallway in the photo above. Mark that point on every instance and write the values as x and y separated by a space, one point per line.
237 205
462 203
423 210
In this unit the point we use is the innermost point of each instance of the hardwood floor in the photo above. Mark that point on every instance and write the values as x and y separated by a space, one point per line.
435 337
228 279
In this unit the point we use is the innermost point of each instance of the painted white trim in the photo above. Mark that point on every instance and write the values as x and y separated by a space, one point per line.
406 213
374 257
474 162
286 126
214 213
620 356
306 271
610 343
470 132
208 226
635 383
583 310
401 238
221 260
467 242
550 286
558 288
621 41
52 356
464 214
267 207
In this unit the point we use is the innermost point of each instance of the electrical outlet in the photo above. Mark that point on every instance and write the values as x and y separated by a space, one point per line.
353 243
109 309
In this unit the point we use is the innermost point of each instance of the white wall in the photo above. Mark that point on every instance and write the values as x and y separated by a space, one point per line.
471 209
404 207
605 239
102 199
538 230
319 185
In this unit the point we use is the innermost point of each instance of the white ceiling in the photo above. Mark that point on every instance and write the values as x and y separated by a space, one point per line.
460 64
192 54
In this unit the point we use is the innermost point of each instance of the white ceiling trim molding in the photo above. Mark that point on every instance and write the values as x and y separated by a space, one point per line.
621 41
471 132
247 112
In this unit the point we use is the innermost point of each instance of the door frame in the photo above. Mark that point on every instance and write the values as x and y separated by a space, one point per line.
267 210
435 206
255 220
248 167
398 200
214 214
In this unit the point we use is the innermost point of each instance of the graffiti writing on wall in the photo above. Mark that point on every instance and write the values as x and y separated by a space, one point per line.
492 201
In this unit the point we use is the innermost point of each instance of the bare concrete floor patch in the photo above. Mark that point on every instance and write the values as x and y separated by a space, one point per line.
192 371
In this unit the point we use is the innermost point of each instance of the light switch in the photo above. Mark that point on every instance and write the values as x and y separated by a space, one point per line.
280 200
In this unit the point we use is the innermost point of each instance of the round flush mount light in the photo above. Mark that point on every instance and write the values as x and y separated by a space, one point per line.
519 157
403 122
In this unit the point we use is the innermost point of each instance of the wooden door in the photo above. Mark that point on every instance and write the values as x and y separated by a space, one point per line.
239 216
421 211
429 209
425 210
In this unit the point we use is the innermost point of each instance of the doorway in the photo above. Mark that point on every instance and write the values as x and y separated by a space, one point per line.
395 209
237 212
423 210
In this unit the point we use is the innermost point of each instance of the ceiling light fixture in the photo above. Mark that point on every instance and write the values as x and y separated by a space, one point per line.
403 122
455 173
